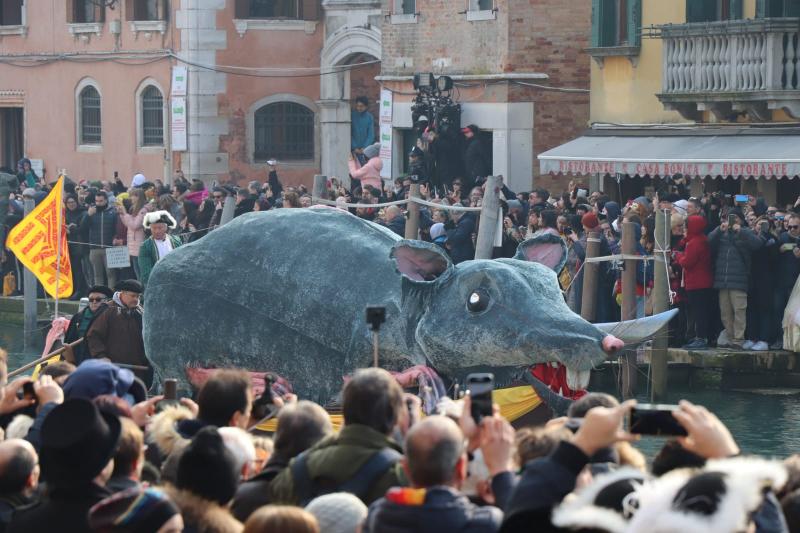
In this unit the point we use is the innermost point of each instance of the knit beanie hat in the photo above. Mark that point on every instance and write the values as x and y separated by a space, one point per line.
207 469
134 510
372 150
437 230
590 220
339 512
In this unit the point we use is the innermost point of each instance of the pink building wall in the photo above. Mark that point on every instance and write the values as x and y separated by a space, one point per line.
50 99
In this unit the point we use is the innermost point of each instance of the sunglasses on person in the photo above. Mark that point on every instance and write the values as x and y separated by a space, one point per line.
97 300
793 227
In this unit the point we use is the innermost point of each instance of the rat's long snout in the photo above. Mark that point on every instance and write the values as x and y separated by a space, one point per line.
612 345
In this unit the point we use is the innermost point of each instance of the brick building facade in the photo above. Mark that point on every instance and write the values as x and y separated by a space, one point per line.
497 53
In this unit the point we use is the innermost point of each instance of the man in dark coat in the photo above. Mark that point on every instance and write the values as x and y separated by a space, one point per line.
100 226
19 478
436 463
477 163
300 426
459 239
117 333
78 445
81 321
732 245
788 268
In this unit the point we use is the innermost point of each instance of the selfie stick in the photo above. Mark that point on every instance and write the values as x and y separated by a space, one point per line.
375 317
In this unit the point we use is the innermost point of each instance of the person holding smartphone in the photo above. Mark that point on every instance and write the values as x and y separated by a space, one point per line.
732 245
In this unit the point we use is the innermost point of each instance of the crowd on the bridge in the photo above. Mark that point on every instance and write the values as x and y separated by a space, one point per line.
87 451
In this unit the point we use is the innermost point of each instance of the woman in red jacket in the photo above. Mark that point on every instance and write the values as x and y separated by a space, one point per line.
698 278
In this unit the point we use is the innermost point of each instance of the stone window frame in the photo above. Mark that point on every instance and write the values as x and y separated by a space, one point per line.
17 29
250 127
83 84
140 146
474 13
399 15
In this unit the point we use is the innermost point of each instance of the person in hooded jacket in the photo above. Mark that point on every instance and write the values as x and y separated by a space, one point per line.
761 292
436 463
698 280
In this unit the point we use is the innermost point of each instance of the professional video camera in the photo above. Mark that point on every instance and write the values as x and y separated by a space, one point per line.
434 101
433 109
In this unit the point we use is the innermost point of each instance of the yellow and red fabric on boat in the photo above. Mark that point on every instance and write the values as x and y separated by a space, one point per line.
514 402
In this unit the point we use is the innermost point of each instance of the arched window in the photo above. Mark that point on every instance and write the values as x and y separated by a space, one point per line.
90 127
284 131
152 117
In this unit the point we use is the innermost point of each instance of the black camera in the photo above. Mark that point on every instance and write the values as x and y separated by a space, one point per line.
376 315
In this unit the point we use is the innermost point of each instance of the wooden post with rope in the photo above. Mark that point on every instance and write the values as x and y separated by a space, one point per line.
628 366
412 224
320 189
590 273
490 218
29 296
658 353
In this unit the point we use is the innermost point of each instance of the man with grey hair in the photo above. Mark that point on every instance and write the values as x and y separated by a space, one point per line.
394 220
436 464
19 477
240 444
301 425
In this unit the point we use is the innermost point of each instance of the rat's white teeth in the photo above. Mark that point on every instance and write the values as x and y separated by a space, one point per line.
578 379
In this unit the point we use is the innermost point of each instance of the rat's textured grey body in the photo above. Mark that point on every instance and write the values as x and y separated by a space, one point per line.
286 291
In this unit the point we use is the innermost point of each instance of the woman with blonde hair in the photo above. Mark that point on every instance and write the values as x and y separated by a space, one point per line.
132 219
281 519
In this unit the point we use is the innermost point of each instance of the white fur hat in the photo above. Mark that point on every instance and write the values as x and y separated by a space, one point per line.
159 216
719 498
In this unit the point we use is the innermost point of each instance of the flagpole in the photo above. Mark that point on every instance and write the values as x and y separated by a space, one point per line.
59 222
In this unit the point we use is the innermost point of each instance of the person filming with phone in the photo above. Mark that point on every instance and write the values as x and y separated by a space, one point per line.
732 245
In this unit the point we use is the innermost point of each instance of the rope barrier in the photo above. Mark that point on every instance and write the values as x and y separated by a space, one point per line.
419 201
619 257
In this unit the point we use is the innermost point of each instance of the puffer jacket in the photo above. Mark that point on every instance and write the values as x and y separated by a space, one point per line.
436 509
696 259
733 256
101 227
369 174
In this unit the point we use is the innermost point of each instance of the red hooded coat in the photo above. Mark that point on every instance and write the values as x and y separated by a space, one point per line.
696 259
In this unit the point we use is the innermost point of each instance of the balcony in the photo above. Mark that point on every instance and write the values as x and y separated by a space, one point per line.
732 67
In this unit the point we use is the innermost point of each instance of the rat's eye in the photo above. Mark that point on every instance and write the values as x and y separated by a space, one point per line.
478 301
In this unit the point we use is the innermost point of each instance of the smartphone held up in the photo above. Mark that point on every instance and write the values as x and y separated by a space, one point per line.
480 387
656 420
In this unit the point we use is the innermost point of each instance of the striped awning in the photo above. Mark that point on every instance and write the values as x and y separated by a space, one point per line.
741 155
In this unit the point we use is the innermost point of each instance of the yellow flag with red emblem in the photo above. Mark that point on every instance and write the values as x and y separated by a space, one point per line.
40 242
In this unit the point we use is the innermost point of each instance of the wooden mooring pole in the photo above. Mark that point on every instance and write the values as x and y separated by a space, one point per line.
628 366
658 354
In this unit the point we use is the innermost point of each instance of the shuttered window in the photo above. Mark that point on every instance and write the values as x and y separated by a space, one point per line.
152 117
269 9
713 10
777 8
90 128
82 11
284 131
146 9
11 13
616 23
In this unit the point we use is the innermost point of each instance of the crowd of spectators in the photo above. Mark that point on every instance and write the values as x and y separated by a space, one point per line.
88 452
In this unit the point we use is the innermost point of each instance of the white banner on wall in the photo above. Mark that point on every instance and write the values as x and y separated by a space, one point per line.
386 133
178 124
179 75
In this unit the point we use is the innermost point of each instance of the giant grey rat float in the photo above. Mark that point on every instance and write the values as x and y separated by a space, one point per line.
285 291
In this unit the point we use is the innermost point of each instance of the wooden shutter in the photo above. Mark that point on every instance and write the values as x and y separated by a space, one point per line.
634 22
761 9
163 9
736 10
130 9
597 15
309 9
242 9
